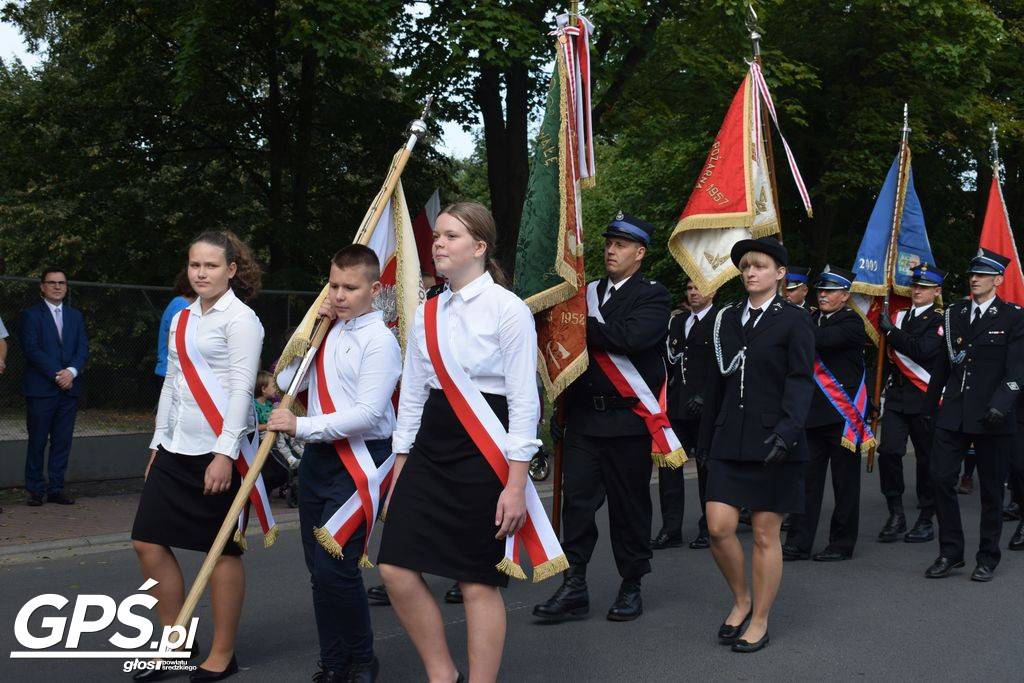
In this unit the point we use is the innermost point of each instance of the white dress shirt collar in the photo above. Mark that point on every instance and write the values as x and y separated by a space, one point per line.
362 320
470 290
984 307
220 305
54 307
702 312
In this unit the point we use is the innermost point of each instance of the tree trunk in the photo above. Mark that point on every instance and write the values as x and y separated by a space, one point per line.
505 139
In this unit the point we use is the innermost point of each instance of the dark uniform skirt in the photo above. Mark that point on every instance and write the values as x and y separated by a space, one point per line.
173 510
441 516
757 487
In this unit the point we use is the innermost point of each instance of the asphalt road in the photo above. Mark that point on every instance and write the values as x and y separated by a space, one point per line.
873 618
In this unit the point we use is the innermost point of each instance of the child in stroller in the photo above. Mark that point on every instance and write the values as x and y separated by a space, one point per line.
282 466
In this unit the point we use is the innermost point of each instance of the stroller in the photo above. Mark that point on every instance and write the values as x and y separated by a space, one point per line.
282 468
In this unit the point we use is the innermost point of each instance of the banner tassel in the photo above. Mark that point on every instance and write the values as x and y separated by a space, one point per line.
240 541
328 543
507 566
550 568
675 459
270 537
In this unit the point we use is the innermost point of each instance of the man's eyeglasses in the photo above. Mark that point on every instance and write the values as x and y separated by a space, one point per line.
56 283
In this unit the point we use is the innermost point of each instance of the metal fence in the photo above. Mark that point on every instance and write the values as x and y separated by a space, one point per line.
119 387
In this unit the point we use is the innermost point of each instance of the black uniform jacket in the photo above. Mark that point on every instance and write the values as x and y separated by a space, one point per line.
990 374
635 324
839 340
689 375
777 385
919 339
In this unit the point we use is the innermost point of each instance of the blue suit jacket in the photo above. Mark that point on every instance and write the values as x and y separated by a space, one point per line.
46 354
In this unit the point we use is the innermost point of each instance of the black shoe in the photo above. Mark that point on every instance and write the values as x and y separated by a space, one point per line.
702 542
1011 513
827 555
453 596
628 604
330 676
1017 542
202 675
663 540
570 600
745 516
922 532
895 525
791 553
983 572
378 595
35 499
60 498
363 672
728 634
942 567
743 646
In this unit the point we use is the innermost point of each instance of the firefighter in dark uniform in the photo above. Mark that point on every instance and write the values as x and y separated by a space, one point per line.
691 358
978 382
1017 476
607 446
916 345
797 279
839 339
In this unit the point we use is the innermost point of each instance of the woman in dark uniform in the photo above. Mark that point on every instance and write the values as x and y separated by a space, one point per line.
448 513
753 434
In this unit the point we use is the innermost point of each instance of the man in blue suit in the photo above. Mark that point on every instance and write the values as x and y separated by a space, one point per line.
55 347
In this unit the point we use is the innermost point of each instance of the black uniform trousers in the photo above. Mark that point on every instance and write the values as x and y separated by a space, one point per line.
1016 475
671 483
993 454
896 427
825 449
339 596
617 468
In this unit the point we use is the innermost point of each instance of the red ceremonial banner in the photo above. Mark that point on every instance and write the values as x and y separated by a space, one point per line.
996 236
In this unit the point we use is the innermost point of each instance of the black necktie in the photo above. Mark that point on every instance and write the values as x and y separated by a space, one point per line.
910 316
754 314
977 316
610 293
687 329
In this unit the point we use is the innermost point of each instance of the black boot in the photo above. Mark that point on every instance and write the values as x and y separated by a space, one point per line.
570 600
896 524
1017 542
923 530
628 604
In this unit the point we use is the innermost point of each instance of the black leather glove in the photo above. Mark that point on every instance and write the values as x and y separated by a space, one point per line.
556 428
777 449
885 324
695 406
992 419
701 456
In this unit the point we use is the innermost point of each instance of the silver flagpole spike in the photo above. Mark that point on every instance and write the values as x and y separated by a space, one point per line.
906 121
755 36
993 128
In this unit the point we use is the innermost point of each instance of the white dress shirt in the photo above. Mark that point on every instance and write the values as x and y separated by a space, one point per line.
984 307
368 361
57 313
493 335
695 318
746 312
609 288
230 338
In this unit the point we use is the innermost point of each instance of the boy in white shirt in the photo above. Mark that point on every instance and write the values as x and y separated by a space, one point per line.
350 421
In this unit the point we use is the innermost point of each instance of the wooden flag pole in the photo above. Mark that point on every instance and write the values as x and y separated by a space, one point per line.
890 272
417 129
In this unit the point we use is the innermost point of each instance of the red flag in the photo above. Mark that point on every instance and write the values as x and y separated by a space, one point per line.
423 230
997 236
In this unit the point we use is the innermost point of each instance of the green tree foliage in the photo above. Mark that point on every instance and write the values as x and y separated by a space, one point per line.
148 122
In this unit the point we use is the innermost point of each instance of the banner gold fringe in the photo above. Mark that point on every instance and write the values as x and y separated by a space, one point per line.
565 378
364 562
270 537
328 542
659 459
507 566
548 569
240 541
852 447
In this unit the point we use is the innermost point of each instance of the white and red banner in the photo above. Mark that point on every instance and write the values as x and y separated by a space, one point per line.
491 438
997 236
666 450
212 399
423 231
910 368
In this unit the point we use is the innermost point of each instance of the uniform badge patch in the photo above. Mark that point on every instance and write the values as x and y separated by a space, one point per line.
1012 386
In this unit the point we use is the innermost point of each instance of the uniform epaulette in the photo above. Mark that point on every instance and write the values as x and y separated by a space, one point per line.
434 291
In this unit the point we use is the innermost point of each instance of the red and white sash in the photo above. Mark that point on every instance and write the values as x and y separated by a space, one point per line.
666 450
371 483
490 437
213 402
913 371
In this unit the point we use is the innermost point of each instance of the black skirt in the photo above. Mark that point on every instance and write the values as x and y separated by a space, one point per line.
441 516
757 487
173 510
